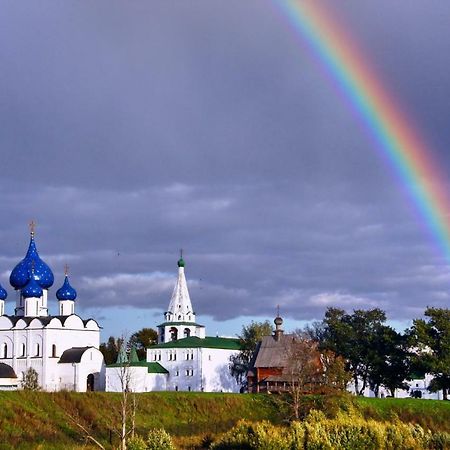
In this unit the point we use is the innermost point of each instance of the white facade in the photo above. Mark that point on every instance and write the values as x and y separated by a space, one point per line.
136 378
192 361
418 388
62 349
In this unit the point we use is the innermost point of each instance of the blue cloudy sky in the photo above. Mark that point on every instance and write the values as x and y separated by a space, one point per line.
130 129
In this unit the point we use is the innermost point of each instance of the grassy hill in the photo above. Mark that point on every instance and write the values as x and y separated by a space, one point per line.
30 420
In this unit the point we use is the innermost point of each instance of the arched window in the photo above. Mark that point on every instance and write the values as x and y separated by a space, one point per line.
38 348
187 332
23 350
54 351
173 334
5 350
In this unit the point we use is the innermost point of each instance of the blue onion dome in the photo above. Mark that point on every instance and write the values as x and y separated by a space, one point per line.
32 289
21 273
3 293
66 291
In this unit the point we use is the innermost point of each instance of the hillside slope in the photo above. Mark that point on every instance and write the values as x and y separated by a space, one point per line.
48 420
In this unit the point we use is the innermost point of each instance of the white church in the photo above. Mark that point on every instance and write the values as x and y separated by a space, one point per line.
61 348
185 359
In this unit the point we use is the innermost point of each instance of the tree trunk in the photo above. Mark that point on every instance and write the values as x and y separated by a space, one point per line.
355 378
444 394
377 390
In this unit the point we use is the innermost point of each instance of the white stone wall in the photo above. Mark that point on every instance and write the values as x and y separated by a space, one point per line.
139 379
216 371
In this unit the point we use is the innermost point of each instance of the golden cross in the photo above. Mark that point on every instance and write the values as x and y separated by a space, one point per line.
32 225
66 270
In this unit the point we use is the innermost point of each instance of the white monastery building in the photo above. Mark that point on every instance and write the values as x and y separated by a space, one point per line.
61 348
185 359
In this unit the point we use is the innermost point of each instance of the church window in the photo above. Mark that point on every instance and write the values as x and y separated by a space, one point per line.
5 350
176 388
179 317
209 357
189 388
54 351
177 373
159 356
173 334
187 332
23 350
37 349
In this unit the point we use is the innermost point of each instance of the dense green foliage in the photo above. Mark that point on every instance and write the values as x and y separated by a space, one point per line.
248 340
142 339
432 338
376 354
30 419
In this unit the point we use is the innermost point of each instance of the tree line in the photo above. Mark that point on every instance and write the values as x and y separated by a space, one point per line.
375 355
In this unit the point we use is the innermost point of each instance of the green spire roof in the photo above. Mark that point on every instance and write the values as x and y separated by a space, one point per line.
181 262
133 355
122 356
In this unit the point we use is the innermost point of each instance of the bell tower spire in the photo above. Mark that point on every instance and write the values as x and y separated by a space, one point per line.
180 316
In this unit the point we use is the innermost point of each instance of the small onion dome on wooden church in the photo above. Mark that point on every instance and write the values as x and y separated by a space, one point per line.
20 276
3 293
32 289
66 291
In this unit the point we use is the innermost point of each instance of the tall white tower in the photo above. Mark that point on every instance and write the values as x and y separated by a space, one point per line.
180 316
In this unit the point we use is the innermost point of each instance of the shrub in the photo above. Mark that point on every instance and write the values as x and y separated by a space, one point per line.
345 432
136 443
159 439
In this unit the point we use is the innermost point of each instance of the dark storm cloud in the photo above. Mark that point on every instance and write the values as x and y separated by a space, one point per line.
130 130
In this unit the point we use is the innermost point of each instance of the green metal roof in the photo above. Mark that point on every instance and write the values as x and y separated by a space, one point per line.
192 324
152 367
207 342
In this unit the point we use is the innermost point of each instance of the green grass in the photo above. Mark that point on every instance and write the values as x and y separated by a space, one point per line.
30 420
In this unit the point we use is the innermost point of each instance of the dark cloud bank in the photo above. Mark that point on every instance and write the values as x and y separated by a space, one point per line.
132 129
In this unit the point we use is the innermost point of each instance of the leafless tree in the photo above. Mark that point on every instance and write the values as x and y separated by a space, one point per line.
303 370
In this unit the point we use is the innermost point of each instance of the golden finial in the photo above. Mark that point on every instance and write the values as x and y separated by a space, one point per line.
32 226
66 270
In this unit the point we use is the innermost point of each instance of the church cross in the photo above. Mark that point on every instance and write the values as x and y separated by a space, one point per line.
32 226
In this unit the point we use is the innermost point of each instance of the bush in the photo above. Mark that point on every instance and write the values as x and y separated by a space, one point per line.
159 439
345 432
136 443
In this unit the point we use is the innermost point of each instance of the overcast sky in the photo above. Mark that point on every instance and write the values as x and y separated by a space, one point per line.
131 129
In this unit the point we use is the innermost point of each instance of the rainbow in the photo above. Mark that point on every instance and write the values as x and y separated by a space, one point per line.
411 159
